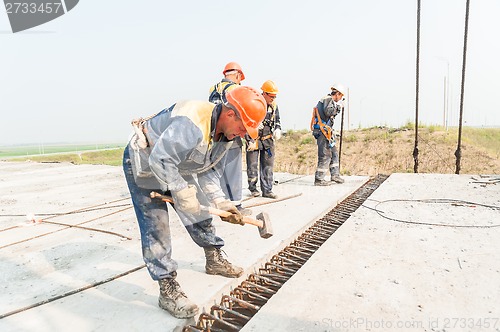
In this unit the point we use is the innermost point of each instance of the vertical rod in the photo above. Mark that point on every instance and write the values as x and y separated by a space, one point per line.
415 149
458 152
341 134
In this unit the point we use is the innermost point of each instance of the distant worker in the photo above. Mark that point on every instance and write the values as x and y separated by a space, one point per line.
322 127
231 180
262 149
180 151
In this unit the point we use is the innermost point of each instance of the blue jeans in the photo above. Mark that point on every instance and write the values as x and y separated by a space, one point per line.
231 180
152 216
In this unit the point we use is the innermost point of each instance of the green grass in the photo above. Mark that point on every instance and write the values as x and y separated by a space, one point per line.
487 138
112 157
98 154
45 149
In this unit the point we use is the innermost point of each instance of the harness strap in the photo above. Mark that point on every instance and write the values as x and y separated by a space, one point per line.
265 137
316 119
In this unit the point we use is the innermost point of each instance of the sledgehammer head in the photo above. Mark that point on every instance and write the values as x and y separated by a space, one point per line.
266 231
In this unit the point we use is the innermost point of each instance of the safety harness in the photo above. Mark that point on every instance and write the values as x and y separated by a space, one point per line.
217 95
318 123
270 122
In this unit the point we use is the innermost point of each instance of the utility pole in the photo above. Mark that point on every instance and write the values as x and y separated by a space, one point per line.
444 103
446 92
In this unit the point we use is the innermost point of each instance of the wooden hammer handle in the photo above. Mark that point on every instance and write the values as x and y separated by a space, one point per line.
211 210
224 213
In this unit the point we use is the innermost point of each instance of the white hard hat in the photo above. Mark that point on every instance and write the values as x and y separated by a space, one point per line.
340 88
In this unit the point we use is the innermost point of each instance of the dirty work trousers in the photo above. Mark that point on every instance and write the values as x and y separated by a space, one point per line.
152 216
231 180
266 160
328 159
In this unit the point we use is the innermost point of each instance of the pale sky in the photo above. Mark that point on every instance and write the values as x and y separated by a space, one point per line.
83 76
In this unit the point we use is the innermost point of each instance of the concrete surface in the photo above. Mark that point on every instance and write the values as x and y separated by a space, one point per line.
48 269
433 266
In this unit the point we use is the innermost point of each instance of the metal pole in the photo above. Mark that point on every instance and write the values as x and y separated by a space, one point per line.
341 135
415 149
458 152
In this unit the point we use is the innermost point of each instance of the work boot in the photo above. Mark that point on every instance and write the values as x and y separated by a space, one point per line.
337 179
269 194
255 193
244 211
216 264
322 183
173 299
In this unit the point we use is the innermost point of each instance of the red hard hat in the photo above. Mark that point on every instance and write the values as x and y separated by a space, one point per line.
233 66
251 106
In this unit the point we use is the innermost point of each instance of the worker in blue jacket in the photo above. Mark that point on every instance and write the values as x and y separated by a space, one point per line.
180 151
231 180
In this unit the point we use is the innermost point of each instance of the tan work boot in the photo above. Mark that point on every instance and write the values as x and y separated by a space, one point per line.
173 299
322 183
269 194
255 193
216 264
337 179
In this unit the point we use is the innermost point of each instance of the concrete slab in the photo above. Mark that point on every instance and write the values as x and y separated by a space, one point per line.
421 264
48 270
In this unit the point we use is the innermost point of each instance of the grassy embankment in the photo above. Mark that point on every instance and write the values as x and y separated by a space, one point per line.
364 152
386 150
107 154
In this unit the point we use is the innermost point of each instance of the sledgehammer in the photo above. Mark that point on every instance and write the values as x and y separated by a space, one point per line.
262 222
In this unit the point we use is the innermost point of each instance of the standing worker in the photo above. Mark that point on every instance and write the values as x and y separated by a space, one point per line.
181 151
231 181
322 126
262 148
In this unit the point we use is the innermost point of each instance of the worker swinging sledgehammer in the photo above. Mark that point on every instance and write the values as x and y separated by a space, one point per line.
181 151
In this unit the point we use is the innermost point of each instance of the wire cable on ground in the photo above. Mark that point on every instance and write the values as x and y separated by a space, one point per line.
455 202
69 226
68 213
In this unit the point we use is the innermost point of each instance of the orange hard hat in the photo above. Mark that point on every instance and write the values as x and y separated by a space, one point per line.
233 66
251 106
269 87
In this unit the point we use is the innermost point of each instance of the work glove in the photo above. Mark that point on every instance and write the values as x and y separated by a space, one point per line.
261 126
186 201
235 217
277 134
252 146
